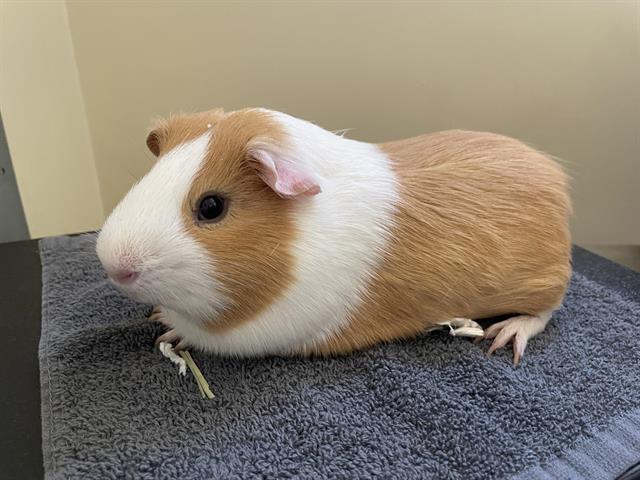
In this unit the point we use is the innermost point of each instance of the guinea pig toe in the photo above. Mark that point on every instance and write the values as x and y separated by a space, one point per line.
495 329
502 338
156 314
170 336
182 345
159 315
519 344
516 330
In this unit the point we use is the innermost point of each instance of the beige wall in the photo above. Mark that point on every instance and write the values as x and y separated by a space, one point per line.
45 121
563 76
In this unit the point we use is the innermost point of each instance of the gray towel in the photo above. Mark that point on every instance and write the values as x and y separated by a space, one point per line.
430 407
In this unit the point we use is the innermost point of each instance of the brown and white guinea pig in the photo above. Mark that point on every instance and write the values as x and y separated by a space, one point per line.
259 233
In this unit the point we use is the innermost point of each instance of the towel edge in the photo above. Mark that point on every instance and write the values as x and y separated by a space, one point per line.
605 453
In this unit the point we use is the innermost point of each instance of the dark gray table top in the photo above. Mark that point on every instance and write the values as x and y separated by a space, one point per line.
20 285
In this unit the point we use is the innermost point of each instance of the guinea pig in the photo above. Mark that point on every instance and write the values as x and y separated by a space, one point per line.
257 233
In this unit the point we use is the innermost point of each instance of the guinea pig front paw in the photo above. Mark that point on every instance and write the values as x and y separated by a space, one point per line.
172 337
159 314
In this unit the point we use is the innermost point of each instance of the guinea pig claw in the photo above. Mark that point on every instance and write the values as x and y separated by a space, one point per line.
182 345
519 345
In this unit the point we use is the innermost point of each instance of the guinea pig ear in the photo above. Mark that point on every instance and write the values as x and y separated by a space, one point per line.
286 176
153 141
156 137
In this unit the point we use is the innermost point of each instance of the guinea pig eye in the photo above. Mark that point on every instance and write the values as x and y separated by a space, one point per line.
211 208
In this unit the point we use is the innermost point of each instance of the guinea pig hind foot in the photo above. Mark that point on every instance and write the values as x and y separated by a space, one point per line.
517 330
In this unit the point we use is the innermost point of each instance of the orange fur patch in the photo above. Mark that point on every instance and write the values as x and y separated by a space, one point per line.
481 230
167 134
251 246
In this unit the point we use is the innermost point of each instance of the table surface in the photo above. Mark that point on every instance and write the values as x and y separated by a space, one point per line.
20 288
20 296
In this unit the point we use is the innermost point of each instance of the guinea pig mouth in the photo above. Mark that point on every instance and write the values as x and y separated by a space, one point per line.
144 289
130 286
140 293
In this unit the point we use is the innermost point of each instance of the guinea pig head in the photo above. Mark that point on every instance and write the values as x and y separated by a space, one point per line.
208 232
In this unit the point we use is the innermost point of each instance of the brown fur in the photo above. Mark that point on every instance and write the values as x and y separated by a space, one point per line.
251 246
481 230
168 134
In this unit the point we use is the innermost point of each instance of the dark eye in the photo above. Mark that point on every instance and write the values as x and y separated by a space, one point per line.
211 208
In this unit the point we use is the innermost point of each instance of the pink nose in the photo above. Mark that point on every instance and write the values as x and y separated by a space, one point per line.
123 276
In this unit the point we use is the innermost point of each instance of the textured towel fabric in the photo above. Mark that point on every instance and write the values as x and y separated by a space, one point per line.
431 407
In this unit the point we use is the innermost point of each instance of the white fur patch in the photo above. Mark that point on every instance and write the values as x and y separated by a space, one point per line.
344 232
146 232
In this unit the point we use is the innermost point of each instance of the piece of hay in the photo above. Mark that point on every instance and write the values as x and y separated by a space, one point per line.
202 382
183 361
